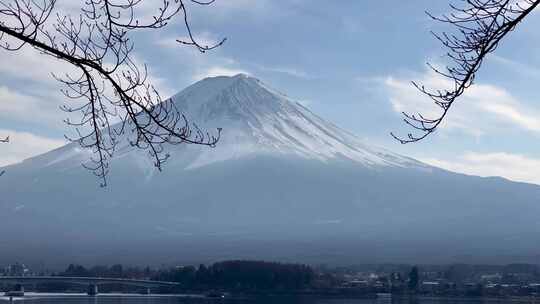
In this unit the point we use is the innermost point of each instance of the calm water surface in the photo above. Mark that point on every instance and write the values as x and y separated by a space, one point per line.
108 299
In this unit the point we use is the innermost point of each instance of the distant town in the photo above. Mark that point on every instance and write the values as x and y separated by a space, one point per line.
458 280
269 278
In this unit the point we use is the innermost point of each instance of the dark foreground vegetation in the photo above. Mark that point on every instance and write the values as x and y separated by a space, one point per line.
270 278
234 276
242 275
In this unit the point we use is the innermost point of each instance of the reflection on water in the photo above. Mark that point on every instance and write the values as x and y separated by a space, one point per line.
119 299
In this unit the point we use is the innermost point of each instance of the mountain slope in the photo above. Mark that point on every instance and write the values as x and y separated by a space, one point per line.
255 120
283 183
252 113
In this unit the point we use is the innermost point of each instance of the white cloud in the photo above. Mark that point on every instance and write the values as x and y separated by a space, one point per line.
483 108
23 145
29 64
510 113
518 67
37 97
21 107
512 166
218 71
286 70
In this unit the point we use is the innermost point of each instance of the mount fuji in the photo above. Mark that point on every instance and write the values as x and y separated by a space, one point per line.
282 183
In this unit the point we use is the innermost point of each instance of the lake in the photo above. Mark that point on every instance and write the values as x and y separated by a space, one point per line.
137 299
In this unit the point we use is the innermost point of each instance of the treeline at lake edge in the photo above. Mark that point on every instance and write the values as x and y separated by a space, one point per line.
234 276
245 277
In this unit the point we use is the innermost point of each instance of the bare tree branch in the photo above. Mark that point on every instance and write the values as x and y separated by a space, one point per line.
478 28
108 81
4 140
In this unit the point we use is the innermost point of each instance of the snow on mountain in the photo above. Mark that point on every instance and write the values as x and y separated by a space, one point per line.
283 183
255 119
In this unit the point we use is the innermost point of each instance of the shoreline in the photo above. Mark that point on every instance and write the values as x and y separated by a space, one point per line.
527 299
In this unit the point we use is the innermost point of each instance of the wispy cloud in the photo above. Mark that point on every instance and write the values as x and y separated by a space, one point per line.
218 71
29 64
22 107
24 145
517 66
511 166
483 108
295 72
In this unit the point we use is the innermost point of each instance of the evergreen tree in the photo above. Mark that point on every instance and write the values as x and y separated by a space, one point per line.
413 279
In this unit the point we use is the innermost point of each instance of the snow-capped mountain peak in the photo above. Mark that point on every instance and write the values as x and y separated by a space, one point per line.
281 177
256 118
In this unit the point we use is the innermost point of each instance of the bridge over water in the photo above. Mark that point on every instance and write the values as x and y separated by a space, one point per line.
91 282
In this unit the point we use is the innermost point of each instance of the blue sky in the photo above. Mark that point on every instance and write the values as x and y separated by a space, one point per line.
349 61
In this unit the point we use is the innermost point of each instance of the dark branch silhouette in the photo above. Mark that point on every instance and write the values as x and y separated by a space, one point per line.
118 102
4 140
479 26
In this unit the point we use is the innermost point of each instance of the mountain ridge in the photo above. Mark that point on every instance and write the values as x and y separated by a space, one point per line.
283 183
255 118
274 120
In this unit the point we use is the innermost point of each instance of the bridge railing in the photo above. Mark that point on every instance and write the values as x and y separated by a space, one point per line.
91 282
